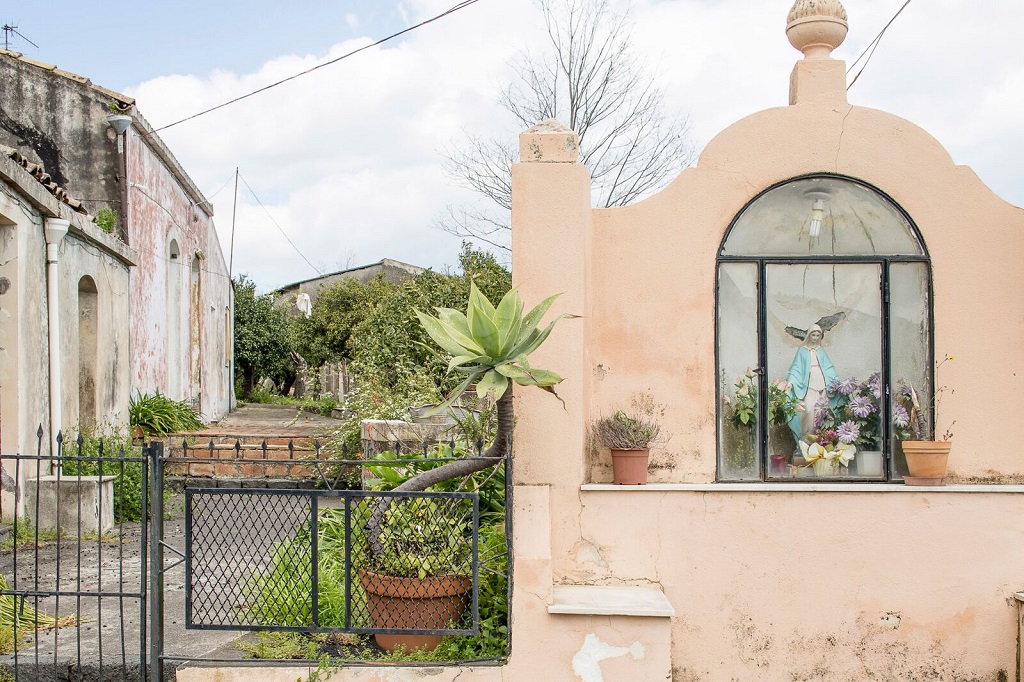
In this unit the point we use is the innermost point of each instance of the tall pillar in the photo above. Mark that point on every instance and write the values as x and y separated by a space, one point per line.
551 220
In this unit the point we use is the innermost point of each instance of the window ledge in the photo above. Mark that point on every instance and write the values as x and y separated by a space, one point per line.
603 600
799 488
1019 596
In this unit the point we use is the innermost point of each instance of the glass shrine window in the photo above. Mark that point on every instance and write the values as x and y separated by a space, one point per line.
823 314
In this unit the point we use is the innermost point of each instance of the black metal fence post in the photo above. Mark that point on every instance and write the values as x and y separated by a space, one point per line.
156 561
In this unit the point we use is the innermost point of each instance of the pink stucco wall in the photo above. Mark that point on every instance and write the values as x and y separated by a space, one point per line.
162 211
770 582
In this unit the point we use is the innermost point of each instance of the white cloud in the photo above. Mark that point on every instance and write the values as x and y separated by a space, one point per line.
346 158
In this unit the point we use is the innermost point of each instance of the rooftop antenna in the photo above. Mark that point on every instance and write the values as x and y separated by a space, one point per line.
10 32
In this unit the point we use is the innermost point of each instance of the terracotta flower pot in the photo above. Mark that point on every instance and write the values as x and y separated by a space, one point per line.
414 604
926 461
629 467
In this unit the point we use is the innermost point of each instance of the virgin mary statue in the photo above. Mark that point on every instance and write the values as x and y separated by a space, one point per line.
809 375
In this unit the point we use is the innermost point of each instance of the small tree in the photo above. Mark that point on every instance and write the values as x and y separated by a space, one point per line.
590 79
261 335
489 346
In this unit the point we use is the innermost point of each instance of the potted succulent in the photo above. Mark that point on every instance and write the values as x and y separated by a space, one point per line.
926 458
420 577
629 439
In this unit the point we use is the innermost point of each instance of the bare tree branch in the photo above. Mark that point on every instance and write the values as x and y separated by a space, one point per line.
590 78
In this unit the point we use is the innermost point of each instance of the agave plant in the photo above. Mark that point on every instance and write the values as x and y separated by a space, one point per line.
491 345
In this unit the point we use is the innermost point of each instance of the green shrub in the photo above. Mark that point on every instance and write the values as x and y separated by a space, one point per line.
157 414
127 485
106 219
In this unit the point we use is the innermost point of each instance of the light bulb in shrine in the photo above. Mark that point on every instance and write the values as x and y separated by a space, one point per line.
817 213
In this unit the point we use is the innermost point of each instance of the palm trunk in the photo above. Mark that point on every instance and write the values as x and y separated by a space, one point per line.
458 469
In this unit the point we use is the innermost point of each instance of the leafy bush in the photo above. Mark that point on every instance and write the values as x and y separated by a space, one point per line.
106 219
157 414
375 397
128 483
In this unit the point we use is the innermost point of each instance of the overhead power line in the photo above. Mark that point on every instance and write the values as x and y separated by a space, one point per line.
280 229
455 8
870 49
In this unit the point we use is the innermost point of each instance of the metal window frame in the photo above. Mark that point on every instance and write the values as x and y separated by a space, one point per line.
761 263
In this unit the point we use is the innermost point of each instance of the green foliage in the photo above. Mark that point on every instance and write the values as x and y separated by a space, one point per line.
489 483
279 598
157 414
262 346
106 219
27 536
324 405
281 593
421 538
376 397
374 324
128 482
324 336
492 642
279 645
742 407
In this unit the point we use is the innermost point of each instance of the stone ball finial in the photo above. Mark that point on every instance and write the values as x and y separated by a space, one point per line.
816 27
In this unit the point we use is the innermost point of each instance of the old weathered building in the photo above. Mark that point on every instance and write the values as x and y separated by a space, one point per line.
92 143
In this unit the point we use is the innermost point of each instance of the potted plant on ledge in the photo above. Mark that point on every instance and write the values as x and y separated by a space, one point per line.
926 458
629 439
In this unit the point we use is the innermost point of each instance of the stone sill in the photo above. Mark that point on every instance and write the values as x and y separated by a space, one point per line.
602 600
1019 597
798 488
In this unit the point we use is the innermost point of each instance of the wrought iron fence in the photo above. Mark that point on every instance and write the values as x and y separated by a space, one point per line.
73 597
278 536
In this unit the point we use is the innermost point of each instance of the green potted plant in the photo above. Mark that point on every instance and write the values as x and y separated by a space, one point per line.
741 415
628 437
926 457
420 577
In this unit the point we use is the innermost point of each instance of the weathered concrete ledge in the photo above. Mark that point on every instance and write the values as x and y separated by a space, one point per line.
610 600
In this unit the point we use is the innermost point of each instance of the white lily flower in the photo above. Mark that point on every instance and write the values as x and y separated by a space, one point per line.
845 453
813 452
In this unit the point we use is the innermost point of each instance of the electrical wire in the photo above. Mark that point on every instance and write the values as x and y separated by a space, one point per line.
455 8
872 46
228 182
280 229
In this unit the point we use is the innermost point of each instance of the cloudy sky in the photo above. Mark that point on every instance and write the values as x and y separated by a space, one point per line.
347 162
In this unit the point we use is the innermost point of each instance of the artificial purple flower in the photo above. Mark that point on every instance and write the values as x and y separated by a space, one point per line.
862 406
822 412
900 416
834 387
848 432
848 387
875 384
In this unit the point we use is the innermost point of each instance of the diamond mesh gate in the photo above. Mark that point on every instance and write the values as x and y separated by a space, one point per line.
318 561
